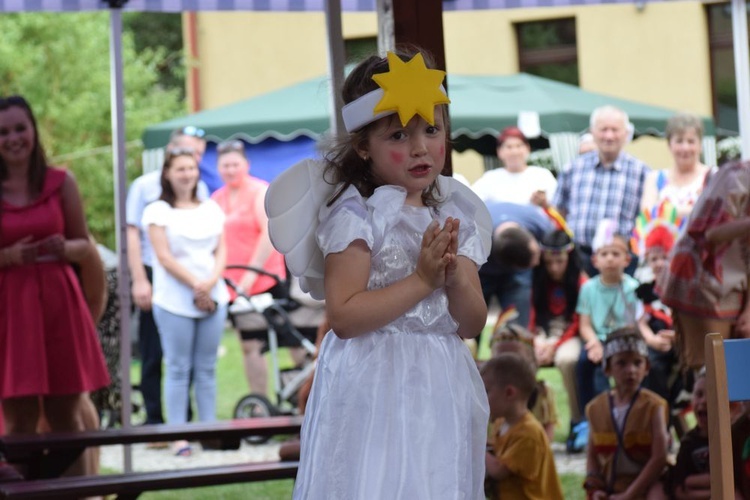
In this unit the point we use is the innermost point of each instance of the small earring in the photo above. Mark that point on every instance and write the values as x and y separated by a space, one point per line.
365 157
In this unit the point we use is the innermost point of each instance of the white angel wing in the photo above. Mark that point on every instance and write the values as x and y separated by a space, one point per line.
481 215
293 201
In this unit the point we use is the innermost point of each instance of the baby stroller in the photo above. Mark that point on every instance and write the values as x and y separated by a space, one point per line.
278 313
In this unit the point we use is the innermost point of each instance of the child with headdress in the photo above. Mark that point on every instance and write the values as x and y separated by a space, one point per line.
556 284
627 450
606 302
397 407
655 323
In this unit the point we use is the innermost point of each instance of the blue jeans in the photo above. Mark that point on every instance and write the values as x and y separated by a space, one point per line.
190 344
591 381
511 289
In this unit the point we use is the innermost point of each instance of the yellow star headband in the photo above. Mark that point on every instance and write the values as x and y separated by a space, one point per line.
408 88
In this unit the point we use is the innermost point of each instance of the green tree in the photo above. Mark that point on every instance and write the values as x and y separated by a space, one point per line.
162 34
60 63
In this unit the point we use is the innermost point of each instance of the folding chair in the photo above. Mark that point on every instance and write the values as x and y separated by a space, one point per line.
727 379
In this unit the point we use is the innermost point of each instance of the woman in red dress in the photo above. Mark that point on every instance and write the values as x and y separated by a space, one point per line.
49 351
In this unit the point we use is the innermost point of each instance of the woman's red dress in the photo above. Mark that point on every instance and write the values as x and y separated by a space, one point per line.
48 342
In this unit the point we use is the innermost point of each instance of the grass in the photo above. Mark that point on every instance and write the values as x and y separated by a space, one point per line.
232 385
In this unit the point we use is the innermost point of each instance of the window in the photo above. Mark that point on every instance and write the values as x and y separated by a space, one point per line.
548 49
723 82
357 49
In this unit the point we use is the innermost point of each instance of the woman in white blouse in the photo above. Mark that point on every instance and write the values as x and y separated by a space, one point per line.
189 295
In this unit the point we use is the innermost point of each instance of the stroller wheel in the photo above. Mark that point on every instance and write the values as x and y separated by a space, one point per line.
137 406
255 406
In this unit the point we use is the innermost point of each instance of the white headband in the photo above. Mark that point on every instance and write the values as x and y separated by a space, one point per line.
408 88
360 111
623 344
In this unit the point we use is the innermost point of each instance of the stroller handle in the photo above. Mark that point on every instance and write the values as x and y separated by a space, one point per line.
257 270
269 306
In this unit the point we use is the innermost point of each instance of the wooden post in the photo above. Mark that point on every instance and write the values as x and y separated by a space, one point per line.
335 62
420 22
385 26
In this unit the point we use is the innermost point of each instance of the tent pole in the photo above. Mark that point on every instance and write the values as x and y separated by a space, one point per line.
386 39
336 60
118 164
742 73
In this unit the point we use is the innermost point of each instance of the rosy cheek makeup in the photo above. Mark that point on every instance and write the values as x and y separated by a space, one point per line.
397 157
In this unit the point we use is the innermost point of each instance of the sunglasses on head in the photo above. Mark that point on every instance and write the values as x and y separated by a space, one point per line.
233 146
193 131
172 152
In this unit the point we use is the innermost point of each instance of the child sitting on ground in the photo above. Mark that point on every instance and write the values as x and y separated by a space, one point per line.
510 337
519 464
627 449
689 478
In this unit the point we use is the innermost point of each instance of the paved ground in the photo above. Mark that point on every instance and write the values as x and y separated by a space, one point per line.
147 459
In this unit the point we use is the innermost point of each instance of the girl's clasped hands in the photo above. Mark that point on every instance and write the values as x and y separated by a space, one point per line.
437 263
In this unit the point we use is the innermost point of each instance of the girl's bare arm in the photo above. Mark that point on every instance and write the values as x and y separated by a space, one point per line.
465 300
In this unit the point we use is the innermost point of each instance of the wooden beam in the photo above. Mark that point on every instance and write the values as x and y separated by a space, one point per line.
420 22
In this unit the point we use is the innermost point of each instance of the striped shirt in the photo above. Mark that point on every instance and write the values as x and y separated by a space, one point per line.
588 192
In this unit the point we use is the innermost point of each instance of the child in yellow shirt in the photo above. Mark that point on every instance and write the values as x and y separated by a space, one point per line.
519 463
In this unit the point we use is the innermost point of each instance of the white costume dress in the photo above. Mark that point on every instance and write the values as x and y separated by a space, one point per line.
400 412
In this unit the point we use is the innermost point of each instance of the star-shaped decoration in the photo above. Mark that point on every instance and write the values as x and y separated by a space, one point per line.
410 88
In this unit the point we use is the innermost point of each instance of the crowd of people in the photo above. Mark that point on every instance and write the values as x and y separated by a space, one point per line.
619 307
630 350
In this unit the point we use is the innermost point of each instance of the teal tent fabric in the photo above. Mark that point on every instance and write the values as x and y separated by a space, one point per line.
481 106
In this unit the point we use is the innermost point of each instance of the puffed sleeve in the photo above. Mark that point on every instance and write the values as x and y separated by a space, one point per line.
345 221
156 213
469 240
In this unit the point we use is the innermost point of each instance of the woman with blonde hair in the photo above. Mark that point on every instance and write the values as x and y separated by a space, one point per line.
682 183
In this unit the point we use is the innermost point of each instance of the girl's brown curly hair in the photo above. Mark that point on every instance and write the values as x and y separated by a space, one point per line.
343 164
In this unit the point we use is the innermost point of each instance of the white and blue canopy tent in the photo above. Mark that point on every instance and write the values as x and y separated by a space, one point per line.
333 10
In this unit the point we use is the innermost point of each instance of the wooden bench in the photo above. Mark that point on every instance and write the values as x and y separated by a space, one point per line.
130 486
44 456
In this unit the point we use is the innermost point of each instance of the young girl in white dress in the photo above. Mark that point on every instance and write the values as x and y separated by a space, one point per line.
397 409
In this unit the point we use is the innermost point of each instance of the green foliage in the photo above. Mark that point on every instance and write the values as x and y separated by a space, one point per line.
266 490
61 64
161 35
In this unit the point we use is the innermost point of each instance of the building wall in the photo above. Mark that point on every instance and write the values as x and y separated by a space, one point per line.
657 55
